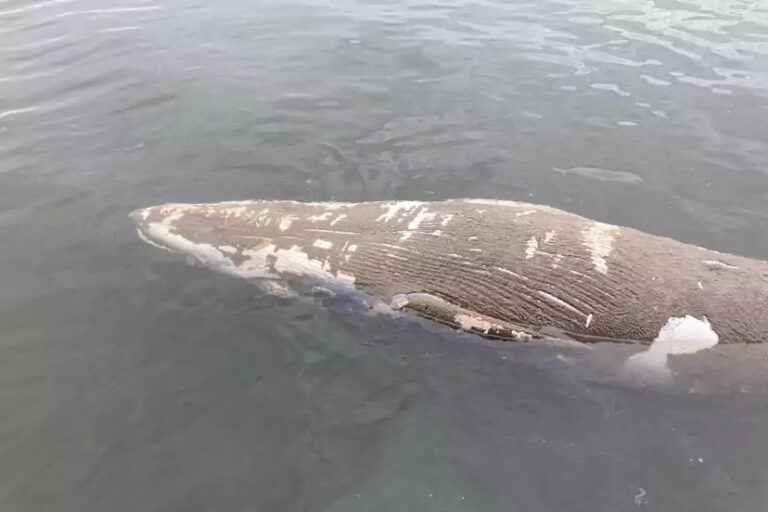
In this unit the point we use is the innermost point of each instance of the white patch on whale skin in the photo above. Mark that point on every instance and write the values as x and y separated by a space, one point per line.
160 234
445 219
150 242
297 262
275 288
515 274
422 216
470 322
320 217
286 221
531 246
680 335
719 264
345 277
589 321
549 236
292 261
228 249
236 211
395 208
598 238
335 232
399 301
338 219
322 244
560 302
352 248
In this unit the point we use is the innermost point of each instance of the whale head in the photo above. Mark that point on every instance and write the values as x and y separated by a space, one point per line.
251 239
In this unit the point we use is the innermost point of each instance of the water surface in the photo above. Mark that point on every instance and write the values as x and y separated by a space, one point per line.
131 381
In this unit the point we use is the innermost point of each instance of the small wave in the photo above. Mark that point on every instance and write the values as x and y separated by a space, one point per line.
152 101
113 10
120 29
35 7
17 111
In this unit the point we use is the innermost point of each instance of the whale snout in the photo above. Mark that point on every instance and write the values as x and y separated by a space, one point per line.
161 225
140 216
194 230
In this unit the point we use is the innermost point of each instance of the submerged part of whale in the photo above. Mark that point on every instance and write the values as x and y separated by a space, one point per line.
501 269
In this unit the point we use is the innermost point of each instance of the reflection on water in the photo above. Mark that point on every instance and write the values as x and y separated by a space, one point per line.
130 381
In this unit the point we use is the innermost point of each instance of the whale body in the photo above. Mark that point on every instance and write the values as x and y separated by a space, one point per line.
501 269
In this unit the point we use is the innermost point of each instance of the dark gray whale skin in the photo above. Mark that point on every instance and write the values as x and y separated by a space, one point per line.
502 269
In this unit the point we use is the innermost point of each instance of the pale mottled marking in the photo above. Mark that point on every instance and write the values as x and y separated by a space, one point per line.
322 244
589 321
150 242
472 238
560 302
276 288
507 271
475 249
338 219
598 238
549 236
286 221
719 264
446 219
237 211
531 246
393 209
345 277
296 261
422 216
437 233
228 249
320 217
164 232
333 231
471 322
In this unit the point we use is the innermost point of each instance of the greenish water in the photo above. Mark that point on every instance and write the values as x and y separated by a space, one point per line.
131 381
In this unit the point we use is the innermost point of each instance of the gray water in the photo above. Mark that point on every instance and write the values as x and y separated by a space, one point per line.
130 381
